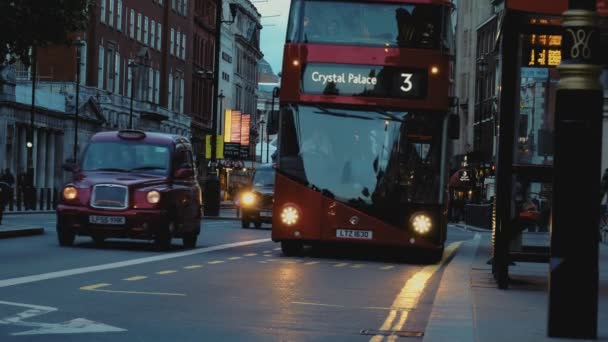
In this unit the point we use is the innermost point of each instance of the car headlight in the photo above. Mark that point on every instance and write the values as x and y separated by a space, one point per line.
290 215
70 193
153 197
421 223
248 198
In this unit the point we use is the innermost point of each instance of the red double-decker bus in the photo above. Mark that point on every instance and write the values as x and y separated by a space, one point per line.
364 124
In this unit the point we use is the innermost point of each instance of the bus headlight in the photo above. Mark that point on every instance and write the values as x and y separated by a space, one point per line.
290 215
248 198
70 193
421 223
153 197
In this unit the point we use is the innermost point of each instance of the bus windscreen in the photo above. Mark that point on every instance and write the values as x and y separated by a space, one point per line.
373 24
376 161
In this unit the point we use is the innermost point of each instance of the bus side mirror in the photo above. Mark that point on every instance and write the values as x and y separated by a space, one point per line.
454 127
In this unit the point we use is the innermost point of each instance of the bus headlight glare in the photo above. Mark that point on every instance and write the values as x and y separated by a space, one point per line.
153 197
70 193
248 198
421 223
290 215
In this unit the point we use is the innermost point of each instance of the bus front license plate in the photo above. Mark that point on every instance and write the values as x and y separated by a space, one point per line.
354 234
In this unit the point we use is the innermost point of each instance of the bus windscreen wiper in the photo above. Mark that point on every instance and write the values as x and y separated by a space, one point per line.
324 110
392 117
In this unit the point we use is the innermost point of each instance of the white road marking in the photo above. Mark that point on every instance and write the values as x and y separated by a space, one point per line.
410 294
75 326
191 267
135 278
216 262
89 269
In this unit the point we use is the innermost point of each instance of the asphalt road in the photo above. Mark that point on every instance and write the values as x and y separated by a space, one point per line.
235 286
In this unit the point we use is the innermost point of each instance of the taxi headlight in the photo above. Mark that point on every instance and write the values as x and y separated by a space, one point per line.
290 215
421 223
248 198
153 197
70 193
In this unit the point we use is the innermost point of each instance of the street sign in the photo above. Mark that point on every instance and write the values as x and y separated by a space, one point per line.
219 147
232 150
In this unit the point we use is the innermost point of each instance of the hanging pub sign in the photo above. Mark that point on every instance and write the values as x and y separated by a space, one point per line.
541 50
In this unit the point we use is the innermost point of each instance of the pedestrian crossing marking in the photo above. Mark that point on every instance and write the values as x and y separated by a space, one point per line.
311 263
166 272
250 254
384 268
234 258
267 252
277 249
191 267
135 278
262 262
216 262
342 264
358 266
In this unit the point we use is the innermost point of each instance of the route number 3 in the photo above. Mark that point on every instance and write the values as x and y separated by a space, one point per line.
407 82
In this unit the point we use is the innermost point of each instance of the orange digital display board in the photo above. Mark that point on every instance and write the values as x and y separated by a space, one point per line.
541 50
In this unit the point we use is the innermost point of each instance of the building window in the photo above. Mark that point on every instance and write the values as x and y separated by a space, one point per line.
177 44
185 8
172 42
119 16
146 34
157 87
184 46
139 27
110 72
100 67
150 85
132 25
103 11
111 13
170 93
152 33
159 34
238 96
117 73
181 95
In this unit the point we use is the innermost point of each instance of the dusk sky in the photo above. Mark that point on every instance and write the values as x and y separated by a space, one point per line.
273 31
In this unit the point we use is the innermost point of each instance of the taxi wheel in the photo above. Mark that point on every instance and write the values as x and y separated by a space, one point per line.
189 240
258 224
245 223
291 248
65 236
162 240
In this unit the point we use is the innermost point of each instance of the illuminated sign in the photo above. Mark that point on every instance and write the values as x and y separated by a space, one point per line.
364 80
541 50
245 127
236 134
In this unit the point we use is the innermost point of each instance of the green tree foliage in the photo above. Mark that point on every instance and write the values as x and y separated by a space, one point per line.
27 23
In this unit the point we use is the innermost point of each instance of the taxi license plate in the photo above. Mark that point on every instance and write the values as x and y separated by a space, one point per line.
354 234
265 213
110 220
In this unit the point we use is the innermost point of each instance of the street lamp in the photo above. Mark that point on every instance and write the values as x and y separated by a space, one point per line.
132 64
275 94
262 122
221 102
212 188
79 44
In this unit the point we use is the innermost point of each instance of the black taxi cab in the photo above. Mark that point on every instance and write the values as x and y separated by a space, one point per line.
257 200
132 184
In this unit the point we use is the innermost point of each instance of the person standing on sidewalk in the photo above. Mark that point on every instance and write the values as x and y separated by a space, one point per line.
4 191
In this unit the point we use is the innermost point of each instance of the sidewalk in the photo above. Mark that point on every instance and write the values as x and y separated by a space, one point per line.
469 306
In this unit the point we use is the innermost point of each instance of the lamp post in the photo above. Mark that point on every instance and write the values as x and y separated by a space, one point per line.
574 265
262 123
30 138
221 102
275 94
79 44
212 186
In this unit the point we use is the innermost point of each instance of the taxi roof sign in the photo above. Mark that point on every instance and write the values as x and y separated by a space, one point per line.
131 134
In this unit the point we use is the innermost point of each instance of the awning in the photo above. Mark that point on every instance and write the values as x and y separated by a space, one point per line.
463 178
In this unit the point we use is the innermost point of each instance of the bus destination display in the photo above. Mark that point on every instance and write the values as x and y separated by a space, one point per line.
364 80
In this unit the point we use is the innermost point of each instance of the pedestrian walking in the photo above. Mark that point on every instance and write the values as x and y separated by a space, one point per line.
8 178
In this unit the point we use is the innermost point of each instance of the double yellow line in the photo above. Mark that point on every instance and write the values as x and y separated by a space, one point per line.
408 297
